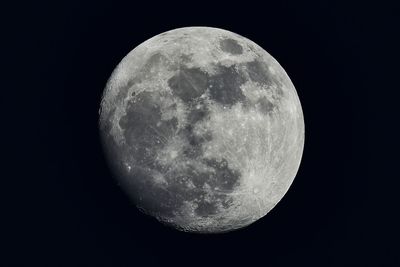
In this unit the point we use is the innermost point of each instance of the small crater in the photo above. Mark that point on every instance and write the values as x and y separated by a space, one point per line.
231 46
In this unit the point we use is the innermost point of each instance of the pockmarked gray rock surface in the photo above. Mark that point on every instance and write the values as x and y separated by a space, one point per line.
203 129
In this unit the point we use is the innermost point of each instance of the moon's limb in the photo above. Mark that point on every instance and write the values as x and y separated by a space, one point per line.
204 129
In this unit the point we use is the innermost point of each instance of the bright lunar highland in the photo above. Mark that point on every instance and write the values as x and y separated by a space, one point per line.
203 129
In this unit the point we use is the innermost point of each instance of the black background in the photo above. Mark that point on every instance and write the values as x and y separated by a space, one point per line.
63 208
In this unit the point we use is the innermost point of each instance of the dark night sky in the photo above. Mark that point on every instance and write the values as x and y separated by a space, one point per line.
63 208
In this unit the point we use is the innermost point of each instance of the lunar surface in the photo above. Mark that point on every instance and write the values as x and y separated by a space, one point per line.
202 128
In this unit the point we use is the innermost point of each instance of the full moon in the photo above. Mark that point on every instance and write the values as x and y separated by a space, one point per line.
202 128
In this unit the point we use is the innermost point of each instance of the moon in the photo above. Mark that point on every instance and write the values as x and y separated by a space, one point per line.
202 128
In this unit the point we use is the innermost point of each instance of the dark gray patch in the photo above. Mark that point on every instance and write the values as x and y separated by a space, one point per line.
231 46
259 72
165 201
197 113
189 83
224 87
265 105
205 209
194 147
154 60
198 178
192 152
144 138
221 177
186 58
227 202
225 178
177 191
144 131
279 93
194 140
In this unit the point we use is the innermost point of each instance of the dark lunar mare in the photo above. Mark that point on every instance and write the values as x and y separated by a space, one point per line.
145 136
224 87
221 177
231 46
259 72
189 83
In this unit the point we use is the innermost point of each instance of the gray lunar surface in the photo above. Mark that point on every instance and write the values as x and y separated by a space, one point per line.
203 129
